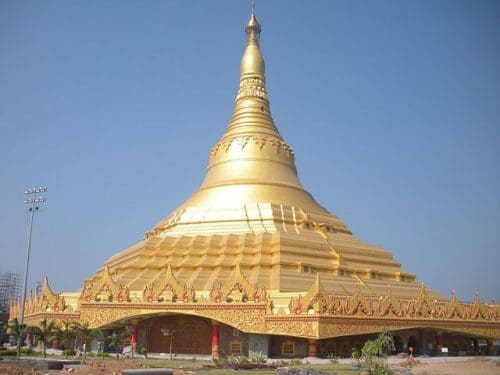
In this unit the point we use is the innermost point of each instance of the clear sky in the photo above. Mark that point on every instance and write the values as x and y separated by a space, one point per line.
392 108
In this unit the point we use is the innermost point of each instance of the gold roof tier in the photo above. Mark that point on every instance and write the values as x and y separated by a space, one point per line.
252 211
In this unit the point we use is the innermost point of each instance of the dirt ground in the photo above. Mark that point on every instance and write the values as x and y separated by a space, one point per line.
475 366
91 368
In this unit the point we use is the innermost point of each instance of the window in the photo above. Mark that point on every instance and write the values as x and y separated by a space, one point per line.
235 348
288 347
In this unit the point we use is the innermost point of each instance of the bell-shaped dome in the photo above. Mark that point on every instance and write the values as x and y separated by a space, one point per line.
252 163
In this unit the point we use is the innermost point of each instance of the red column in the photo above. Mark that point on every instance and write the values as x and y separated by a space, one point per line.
215 339
133 338
439 341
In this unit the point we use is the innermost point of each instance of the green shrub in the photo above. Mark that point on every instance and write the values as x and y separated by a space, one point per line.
380 347
28 351
382 370
334 359
239 359
356 354
68 352
376 350
258 358
8 353
144 352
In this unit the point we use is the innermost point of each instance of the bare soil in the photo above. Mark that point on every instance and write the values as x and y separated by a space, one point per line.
474 366
91 368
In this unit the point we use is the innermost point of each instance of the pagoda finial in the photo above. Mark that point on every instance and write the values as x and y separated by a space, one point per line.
253 27
46 287
252 61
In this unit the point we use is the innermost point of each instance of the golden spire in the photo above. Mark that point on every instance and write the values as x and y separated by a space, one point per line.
252 163
252 62
251 100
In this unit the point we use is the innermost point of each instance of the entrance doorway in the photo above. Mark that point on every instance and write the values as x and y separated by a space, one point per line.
191 334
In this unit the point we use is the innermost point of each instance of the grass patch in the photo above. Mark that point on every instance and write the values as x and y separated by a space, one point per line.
341 369
176 363
220 371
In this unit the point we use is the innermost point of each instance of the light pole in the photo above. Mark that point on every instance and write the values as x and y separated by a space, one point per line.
33 200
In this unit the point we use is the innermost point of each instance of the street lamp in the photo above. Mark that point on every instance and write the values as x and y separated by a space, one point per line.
33 200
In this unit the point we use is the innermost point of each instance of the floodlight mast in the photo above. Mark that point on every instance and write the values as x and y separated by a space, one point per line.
33 200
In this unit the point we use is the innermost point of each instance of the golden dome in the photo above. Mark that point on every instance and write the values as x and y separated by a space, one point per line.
251 210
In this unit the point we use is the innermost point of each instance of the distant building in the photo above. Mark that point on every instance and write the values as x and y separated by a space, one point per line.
10 290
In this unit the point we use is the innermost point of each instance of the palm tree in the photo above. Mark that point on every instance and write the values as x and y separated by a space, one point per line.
30 333
84 333
103 338
45 332
169 333
65 333
17 330
118 338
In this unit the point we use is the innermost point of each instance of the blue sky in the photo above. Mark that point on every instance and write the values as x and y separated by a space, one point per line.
392 108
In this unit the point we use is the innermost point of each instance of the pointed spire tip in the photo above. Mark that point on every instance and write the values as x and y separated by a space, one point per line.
253 27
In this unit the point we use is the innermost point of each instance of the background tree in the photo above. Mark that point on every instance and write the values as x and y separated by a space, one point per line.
84 335
169 333
45 333
29 332
17 330
65 333
118 338
103 338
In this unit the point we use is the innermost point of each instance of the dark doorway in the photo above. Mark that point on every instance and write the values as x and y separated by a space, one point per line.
413 343
398 344
192 335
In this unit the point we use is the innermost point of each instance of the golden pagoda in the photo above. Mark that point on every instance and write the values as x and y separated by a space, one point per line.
253 263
